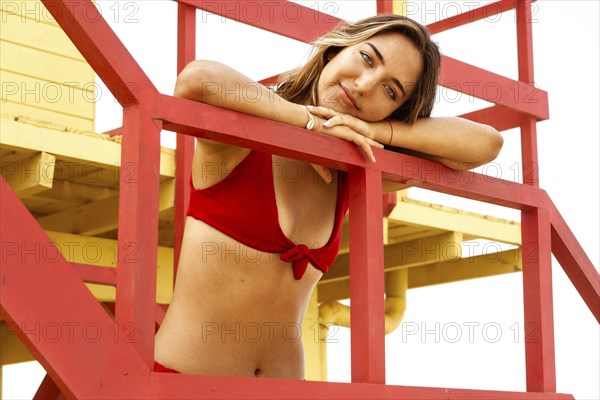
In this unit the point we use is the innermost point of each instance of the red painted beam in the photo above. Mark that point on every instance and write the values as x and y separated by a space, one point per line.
575 262
47 390
477 82
114 132
186 52
284 18
45 303
96 274
244 130
529 151
389 202
473 15
537 302
102 49
138 227
233 387
161 311
385 7
525 41
500 117
366 277
270 81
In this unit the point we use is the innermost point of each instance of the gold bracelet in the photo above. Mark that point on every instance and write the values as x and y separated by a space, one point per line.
311 120
391 132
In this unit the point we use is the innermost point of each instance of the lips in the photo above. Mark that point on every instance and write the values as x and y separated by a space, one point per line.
347 97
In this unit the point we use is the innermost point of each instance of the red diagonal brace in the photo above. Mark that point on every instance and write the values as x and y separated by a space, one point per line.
44 301
102 49
575 262
476 14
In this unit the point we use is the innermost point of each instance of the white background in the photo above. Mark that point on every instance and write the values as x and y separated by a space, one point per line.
463 335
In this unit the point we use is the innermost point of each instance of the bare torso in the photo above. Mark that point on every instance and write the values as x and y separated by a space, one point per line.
239 311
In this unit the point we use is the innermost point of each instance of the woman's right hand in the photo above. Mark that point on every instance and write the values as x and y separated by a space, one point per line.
341 131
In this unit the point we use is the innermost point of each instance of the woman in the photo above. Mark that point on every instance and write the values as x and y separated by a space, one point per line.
256 243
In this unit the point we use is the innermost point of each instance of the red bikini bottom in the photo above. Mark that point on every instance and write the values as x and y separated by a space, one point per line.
161 368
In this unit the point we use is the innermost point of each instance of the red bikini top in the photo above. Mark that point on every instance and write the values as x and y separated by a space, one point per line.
243 207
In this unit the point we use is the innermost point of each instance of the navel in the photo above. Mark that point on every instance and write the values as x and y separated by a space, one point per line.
258 372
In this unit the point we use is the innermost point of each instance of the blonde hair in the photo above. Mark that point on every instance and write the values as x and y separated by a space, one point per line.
299 86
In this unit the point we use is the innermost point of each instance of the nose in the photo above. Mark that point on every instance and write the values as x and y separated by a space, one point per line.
366 82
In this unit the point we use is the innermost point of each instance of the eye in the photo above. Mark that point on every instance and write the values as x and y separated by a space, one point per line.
391 92
367 58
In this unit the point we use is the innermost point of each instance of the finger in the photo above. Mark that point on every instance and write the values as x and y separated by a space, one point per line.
364 145
323 172
374 143
323 112
353 123
334 121
341 120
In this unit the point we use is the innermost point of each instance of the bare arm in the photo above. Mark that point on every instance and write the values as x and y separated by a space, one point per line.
217 84
214 83
455 142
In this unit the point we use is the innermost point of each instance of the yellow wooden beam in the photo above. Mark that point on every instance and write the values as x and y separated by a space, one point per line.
12 350
103 252
28 114
26 30
67 192
472 225
399 7
73 79
442 247
100 216
482 266
86 150
31 175
46 95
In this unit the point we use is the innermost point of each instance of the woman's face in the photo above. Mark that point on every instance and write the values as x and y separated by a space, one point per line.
371 79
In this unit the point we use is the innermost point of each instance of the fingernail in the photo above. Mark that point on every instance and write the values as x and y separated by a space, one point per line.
326 123
309 106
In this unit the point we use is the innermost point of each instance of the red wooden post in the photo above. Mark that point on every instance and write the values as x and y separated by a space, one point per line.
536 247
385 7
528 124
537 291
138 228
366 277
186 52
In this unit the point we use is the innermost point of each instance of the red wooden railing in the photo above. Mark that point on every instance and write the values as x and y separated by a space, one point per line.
102 358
